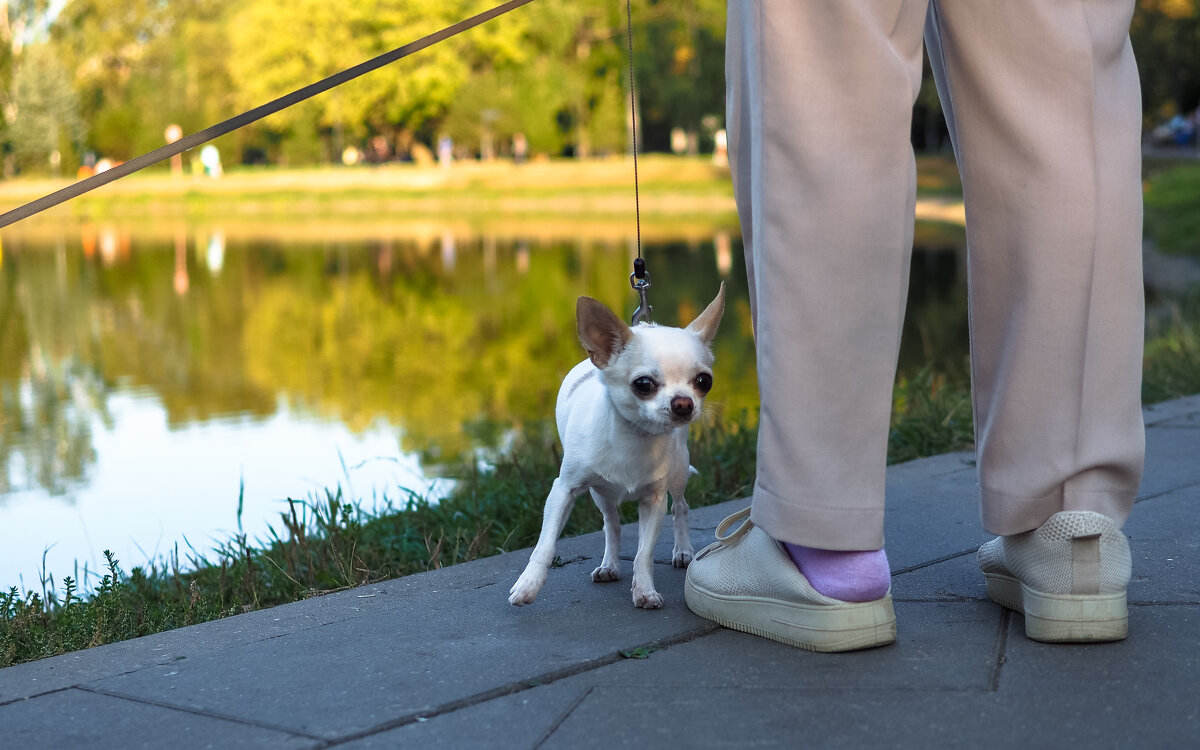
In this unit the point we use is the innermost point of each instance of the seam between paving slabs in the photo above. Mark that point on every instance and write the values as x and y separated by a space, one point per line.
52 691
519 686
562 718
166 659
1171 490
935 561
199 712
1000 655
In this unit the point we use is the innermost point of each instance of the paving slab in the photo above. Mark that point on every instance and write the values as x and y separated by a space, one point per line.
1164 539
948 648
428 648
75 668
82 718
1140 692
1172 459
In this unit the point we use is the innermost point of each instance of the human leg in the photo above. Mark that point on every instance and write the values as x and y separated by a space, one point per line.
819 102
1044 110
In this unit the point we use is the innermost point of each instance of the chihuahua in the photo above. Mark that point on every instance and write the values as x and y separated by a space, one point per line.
622 417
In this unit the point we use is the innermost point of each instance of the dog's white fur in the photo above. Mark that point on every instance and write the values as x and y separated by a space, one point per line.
622 445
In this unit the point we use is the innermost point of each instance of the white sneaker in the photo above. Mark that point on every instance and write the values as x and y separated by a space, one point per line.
1068 577
746 581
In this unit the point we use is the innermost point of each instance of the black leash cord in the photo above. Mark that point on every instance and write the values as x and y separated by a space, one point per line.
640 278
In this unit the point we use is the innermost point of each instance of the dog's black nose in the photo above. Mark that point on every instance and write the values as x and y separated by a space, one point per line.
682 406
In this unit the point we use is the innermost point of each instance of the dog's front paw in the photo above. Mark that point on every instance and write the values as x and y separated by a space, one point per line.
681 558
605 574
525 590
646 599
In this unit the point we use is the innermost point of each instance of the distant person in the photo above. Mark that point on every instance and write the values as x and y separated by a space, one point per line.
210 160
1043 106
520 146
721 148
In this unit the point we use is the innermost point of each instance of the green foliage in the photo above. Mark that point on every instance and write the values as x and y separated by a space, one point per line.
1173 210
679 57
1172 361
1166 35
278 47
561 86
140 65
554 70
930 415
48 120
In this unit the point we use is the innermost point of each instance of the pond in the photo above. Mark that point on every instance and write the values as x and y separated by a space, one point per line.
164 386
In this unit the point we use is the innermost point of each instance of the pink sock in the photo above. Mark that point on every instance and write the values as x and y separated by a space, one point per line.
847 576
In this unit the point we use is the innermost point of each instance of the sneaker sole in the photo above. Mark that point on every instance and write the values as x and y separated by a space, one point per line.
813 627
1062 618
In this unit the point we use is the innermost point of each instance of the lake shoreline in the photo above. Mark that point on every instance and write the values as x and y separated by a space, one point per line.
670 188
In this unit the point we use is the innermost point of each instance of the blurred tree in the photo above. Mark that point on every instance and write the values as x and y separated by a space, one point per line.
47 128
554 71
281 45
562 87
1166 39
140 65
18 21
679 53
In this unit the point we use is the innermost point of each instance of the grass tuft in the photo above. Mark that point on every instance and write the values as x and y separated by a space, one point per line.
1172 359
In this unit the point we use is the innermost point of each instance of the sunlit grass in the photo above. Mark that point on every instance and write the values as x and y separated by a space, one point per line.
1173 210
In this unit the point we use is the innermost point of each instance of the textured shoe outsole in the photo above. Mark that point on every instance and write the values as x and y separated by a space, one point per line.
813 627
1062 618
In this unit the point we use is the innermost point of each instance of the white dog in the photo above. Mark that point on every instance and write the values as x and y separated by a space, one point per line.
622 416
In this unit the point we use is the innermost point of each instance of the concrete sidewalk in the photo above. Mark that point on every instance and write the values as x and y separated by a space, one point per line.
442 660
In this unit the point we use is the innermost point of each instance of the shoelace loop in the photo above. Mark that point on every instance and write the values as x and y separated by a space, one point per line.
742 515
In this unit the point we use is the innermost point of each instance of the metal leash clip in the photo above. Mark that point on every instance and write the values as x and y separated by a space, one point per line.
640 281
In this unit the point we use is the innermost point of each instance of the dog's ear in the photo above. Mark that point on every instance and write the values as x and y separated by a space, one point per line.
705 326
602 333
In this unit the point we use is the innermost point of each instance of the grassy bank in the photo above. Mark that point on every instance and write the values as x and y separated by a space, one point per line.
668 186
601 187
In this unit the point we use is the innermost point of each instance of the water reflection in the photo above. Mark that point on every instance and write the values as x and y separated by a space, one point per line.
146 372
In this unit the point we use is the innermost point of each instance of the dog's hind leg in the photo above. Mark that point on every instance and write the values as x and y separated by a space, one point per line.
651 510
610 566
681 555
554 518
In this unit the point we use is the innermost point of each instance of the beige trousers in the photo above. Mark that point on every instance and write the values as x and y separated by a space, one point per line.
1043 103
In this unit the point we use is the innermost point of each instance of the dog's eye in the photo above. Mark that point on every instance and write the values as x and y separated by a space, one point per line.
703 382
645 386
